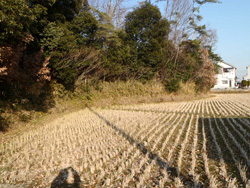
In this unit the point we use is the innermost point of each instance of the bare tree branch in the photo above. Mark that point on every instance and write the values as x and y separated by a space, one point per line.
115 9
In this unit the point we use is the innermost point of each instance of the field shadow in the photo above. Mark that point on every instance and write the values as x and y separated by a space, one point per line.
67 178
217 128
22 107
4 124
163 164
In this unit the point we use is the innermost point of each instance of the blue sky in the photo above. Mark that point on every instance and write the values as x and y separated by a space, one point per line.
231 19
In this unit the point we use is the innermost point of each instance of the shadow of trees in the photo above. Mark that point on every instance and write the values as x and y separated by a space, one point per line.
172 171
23 107
214 130
3 124
223 129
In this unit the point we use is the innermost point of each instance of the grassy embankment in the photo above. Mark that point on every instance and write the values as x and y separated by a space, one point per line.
18 117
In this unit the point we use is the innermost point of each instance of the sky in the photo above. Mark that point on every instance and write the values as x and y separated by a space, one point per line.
231 20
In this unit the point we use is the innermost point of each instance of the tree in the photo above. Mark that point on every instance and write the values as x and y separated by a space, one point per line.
106 33
85 26
244 83
184 16
115 9
146 34
178 13
248 83
64 10
118 62
205 75
20 54
35 36
17 19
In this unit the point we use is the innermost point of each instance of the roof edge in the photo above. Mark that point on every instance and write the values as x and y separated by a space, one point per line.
227 64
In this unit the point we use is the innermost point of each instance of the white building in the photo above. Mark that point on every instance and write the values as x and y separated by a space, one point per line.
226 77
247 77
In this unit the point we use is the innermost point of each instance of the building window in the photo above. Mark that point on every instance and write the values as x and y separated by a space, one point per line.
224 81
227 70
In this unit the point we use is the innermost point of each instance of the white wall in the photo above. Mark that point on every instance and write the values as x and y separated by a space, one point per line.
247 77
224 79
223 82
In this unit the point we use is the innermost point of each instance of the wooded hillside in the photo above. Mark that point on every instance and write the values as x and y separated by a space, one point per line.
69 42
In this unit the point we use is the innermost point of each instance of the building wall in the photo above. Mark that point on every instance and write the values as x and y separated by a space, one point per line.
225 79
247 77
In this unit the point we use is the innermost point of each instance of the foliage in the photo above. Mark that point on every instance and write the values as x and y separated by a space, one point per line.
116 63
85 26
205 76
213 56
51 37
244 83
64 10
146 33
69 42
17 19
172 84
196 17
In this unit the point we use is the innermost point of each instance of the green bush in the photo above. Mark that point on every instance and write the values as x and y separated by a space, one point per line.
248 83
172 85
244 83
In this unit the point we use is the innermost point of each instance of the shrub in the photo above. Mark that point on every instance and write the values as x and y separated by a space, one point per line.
172 84
248 83
187 88
244 83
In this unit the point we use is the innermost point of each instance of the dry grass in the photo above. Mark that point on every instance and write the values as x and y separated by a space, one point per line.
187 88
230 91
134 92
199 143
103 94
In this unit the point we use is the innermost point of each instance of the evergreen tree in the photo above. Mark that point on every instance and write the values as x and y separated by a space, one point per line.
85 26
64 10
146 35
17 18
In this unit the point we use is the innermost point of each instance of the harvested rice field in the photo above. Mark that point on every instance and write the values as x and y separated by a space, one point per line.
202 143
